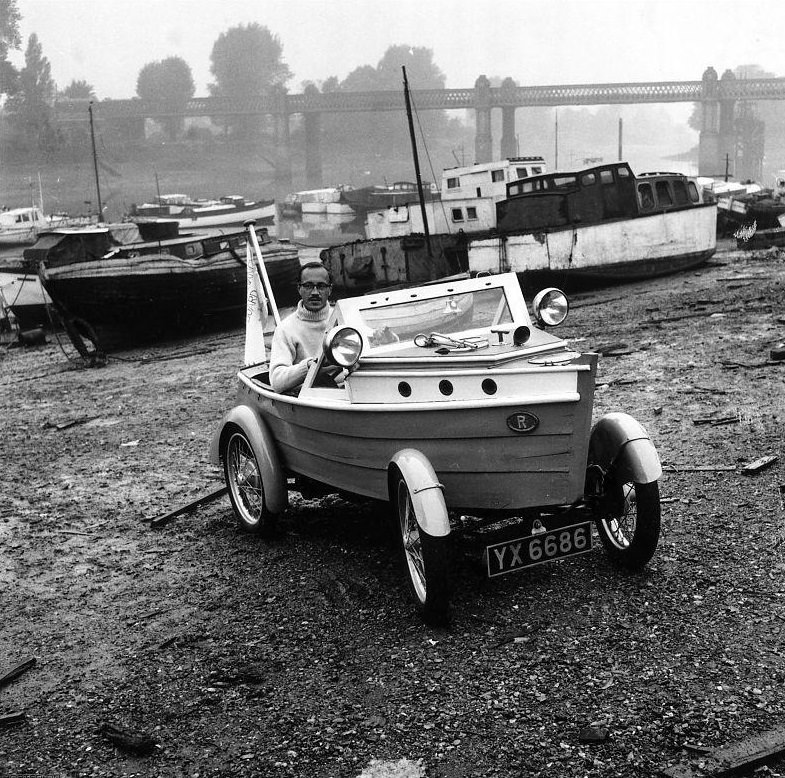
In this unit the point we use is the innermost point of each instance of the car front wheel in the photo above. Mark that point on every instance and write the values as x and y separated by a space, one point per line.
628 522
245 483
425 557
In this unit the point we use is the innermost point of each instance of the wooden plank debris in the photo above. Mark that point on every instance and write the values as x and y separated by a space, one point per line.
758 465
15 672
732 759
8 719
698 468
160 521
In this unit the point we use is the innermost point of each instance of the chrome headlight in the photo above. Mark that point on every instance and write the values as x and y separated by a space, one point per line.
551 307
343 346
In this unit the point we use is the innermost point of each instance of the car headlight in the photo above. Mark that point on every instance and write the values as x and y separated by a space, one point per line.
551 307
343 346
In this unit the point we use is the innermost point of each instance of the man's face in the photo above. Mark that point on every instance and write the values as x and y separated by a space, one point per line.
314 288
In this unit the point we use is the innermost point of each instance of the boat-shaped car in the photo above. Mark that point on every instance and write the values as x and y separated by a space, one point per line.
458 402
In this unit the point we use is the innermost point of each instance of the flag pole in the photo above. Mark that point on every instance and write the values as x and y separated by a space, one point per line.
268 289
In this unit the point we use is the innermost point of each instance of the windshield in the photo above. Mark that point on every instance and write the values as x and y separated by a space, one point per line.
450 313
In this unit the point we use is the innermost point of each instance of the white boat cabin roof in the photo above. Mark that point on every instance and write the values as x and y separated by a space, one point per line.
489 179
16 216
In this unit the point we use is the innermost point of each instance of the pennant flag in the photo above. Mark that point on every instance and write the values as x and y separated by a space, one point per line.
256 312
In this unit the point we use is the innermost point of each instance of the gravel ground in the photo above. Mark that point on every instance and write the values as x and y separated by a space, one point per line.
228 655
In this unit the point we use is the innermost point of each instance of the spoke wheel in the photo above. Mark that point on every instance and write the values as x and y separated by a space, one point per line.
629 522
246 486
425 558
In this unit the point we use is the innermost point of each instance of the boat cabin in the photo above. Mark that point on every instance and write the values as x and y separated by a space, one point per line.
591 196
488 179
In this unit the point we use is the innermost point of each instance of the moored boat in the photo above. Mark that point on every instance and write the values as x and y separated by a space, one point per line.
122 292
229 210
592 227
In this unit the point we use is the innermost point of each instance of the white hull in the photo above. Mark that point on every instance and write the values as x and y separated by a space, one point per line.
226 218
601 247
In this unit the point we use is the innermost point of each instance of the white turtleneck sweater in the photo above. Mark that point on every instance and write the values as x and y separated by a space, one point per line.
296 339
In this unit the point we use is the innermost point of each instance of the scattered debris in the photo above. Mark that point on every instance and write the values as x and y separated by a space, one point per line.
16 672
716 421
66 424
592 734
160 521
730 760
758 465
778 352
9 719
698 468
139 743
129 444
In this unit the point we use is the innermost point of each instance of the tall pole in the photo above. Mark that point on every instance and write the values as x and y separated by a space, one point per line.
95 165
556 142
620 136
416 161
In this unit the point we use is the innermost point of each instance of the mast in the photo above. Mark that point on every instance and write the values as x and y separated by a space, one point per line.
416 161
95 165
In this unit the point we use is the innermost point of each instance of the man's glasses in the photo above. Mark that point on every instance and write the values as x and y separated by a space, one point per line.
309 287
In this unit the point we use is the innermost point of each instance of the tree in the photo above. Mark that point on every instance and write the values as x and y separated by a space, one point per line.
169 81
382 139
79 90
9 39
247 62
31 108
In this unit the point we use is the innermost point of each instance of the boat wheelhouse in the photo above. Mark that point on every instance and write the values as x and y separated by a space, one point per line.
598 225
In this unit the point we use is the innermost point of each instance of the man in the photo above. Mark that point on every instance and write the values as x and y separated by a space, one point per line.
297 340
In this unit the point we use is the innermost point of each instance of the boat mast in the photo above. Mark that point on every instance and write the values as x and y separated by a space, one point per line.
95 165
416 161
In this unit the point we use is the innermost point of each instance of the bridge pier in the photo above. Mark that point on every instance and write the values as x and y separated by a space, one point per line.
717 144
483 140
282 151
509 145
313 151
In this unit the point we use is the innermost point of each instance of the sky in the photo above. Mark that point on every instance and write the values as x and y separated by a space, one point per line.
107 42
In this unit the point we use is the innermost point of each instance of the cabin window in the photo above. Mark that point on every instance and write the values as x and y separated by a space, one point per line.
680 193
457 215
453 183
588 179
536 171
664 196
606 176
622 172
646 196
478 192
559 181
693 190
471 213
521 172
497 175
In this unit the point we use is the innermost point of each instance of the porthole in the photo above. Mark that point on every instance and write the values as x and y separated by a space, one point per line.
445 387
404 389
489 386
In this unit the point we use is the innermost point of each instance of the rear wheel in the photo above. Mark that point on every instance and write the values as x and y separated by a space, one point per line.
246 486
628 522
425 557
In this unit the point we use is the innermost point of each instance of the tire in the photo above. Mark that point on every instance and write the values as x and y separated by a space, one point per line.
245 483
629 522
425 557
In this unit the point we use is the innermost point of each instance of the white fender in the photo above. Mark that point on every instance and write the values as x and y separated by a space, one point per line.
426 492
620 442
276 493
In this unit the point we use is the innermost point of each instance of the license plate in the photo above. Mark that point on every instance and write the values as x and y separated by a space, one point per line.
534 550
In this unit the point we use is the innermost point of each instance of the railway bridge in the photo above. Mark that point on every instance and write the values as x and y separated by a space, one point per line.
719 98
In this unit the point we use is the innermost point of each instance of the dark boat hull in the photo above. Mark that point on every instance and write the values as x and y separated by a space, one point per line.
155 301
